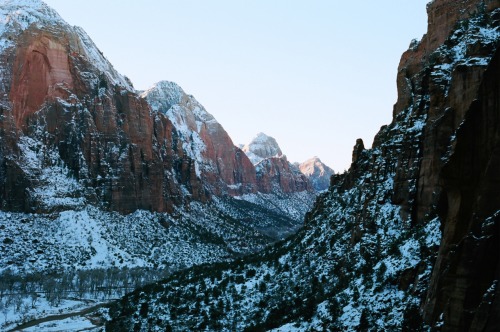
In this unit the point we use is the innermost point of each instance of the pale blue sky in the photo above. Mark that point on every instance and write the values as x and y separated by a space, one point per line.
314 74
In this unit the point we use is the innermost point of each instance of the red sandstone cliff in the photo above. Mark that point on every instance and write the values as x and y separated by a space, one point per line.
71 109
278 174
408 238
63 94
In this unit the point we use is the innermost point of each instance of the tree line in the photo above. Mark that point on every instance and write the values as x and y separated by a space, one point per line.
21 293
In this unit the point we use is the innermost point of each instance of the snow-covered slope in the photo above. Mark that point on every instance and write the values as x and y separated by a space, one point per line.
18 15
187 116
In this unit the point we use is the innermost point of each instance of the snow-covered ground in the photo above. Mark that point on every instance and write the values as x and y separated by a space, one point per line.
29 311
67 325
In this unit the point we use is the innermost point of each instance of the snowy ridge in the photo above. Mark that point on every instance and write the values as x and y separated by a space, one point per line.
291 204
92 238
20 14
89 237
17 15
163 95
330 276
96 57
317 172
281 214
309 167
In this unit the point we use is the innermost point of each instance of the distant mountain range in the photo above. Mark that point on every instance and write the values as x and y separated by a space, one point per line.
84 153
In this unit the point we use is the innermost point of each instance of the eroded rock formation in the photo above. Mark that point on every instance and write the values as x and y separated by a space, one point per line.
64 95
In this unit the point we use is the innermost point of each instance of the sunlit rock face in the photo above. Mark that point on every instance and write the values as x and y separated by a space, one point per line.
77 138
317 172
262 147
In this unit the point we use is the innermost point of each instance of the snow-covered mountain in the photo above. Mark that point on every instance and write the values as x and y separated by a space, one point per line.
405 240
274 171
262 147
87 163
317 172
217 161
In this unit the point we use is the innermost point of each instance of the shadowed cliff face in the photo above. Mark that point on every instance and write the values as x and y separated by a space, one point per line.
448 87
464 286
444 95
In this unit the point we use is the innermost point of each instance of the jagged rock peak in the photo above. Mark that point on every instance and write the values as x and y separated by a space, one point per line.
318 173
17 16
261 147
357 150
216 158
407 227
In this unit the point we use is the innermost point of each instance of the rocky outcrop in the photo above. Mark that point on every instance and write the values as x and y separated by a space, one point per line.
72 111
464 287
449 171
79 144
317 172
426 68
